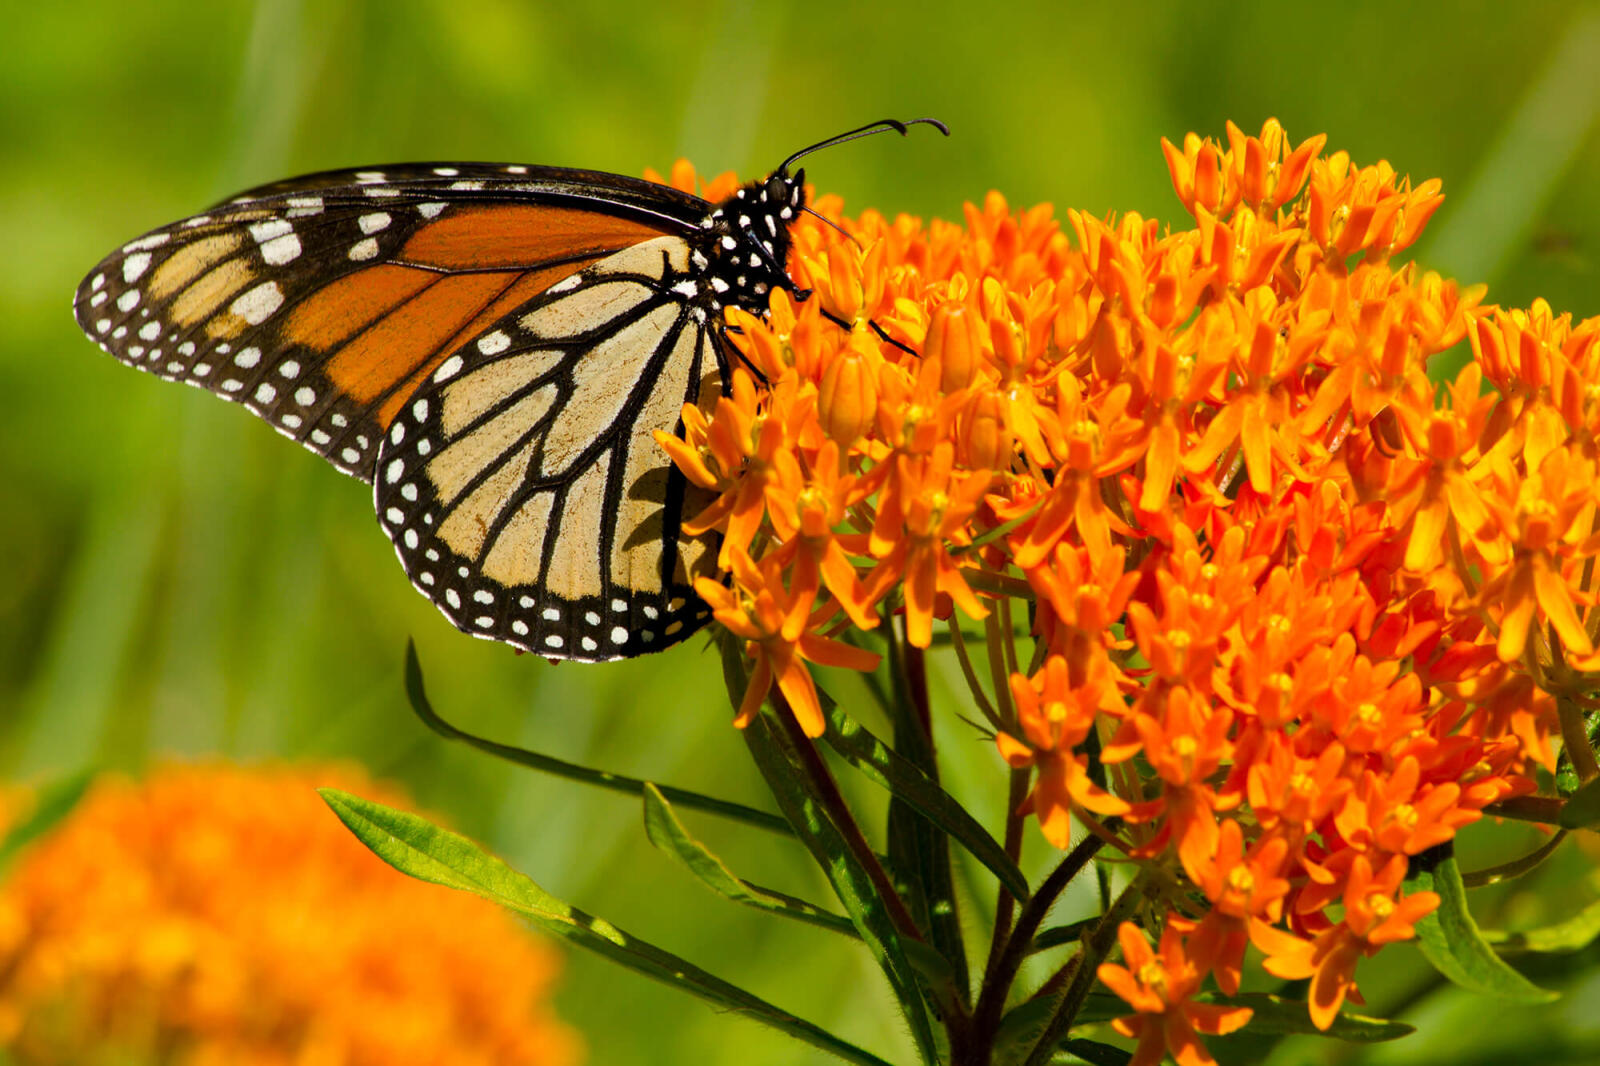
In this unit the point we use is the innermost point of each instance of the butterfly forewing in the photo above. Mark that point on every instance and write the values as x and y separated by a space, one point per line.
494 348
522 485
322 303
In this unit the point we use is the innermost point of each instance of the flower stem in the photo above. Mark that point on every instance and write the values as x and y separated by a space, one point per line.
997 984
1576 739
1004 905
826 791
1085 967
1545 810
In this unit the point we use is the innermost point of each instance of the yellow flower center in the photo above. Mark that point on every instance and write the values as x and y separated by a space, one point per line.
810 498
1368 713
1203 601
1154 977
1281 683
1535 507
1241 881
1280 625
1405 815
1380 905
1184 747
1180 639
1210 571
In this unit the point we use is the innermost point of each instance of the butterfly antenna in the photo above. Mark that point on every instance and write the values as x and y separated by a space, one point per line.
819 215
871 128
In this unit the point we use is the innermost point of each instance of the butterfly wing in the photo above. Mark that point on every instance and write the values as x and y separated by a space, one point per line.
321 303
521 483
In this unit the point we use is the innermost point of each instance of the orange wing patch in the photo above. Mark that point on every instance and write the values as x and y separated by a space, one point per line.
421 328
498 237
341 309
525 288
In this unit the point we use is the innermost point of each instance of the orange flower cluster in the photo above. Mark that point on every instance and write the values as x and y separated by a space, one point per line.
1314 615
220 916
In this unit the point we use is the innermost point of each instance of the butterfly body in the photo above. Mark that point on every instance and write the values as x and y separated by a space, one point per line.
492 347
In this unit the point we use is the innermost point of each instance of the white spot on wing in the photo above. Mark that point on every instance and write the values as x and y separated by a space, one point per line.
132 268
143 244
257 304
281 250
447 370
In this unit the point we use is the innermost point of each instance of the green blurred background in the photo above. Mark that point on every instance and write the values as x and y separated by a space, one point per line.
175 579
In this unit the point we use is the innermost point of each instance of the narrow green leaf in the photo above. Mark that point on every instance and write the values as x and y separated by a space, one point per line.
667 832
633 786
421 849
1276 1015
1096 1053
1451 941
1102 1007
1582 809
786 776
858 747
52 803
1273 1015
1058 935
1021 1028
919 851
1574 934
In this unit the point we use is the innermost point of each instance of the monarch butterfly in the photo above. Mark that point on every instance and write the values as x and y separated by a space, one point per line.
490 346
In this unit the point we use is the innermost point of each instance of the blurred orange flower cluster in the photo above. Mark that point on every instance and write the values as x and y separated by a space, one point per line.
217 916
1313 615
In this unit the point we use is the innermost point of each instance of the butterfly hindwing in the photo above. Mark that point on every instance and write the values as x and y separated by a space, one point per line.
321 303
521 483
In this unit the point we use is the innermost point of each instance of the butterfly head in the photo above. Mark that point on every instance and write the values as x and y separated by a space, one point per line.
748 233
748 241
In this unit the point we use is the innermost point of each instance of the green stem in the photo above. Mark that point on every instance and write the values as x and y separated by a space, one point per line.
1576 739
997 985
826 791
1517 867
1085 967
1545 810
1004 905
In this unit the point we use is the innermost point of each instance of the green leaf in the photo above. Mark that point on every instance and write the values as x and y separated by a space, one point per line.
1102 1007
919 851
662 826
858 747
1096 1053
786 775
1582 809
1021 1028
52 803
1058 935
571 771
1574 934
1275 1015
1451 941
416 847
